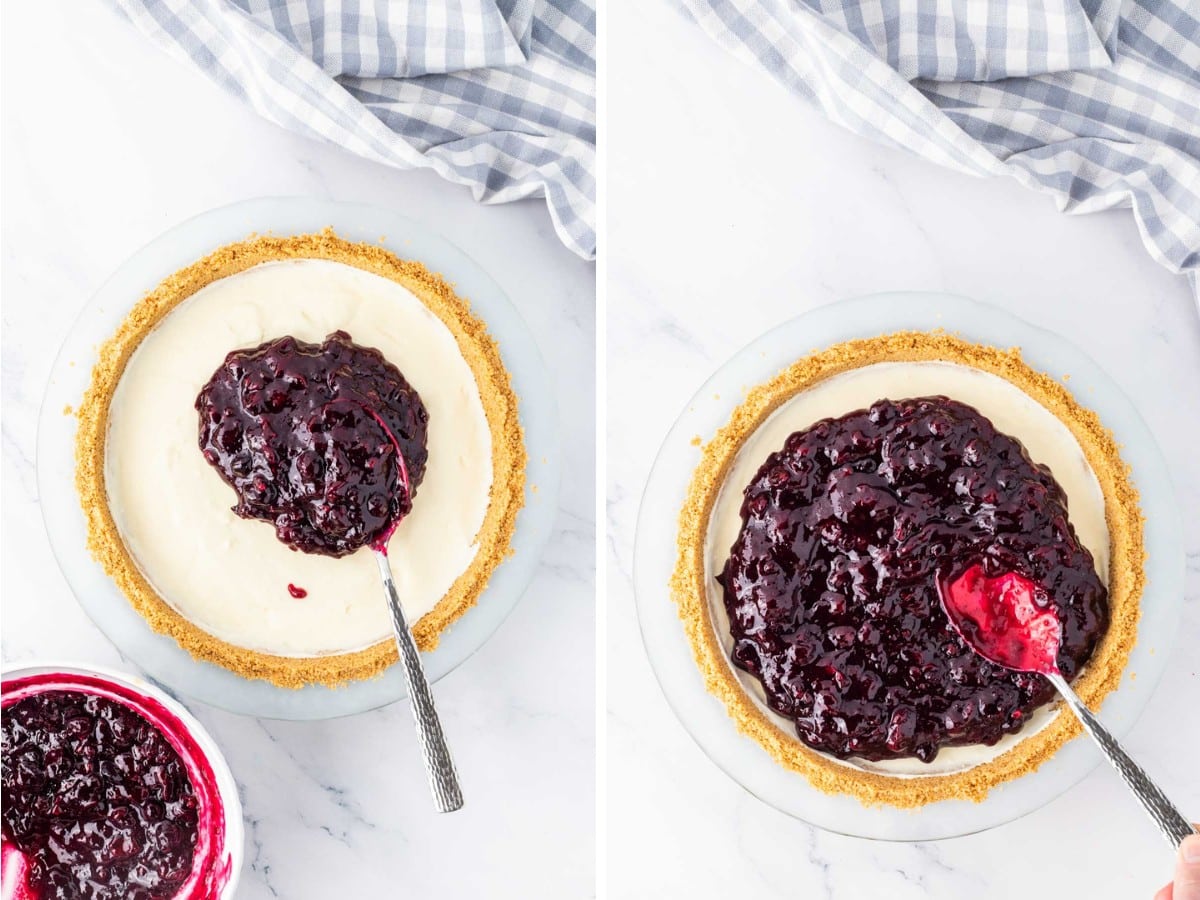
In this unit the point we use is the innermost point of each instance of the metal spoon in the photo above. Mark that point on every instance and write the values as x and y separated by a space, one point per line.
1041 659
443 780
1172 823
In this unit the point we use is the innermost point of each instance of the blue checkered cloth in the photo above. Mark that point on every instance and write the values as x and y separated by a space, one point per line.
499 95
1095 102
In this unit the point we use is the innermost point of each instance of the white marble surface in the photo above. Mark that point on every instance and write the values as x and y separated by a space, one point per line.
732 207
106 143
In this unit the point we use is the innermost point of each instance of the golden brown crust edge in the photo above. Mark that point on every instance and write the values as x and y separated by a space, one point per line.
500 407
1126 577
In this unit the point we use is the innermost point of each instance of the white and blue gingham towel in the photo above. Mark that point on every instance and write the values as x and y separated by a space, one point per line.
1096 102
495 94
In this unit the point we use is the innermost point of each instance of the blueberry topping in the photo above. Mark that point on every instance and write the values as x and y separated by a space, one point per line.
96 798
307 436
832 584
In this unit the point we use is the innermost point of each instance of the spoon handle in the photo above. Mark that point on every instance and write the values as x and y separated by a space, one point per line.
1173 825
443 780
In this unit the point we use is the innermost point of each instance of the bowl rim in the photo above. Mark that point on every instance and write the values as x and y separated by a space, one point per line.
234 838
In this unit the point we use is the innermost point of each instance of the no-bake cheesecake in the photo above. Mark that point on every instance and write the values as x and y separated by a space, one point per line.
826 516
183 462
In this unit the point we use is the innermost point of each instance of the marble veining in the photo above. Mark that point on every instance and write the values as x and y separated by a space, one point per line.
337 808
785 212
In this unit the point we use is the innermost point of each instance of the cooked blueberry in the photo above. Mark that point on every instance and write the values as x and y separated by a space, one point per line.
73 812
846 531
306 435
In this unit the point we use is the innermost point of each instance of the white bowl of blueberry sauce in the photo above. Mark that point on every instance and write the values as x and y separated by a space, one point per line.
112 790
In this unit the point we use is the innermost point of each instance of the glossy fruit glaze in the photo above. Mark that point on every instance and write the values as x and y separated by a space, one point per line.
832 583
128 806
97 798
325 441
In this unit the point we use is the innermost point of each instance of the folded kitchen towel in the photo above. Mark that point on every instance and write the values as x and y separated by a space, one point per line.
498 95
1095 102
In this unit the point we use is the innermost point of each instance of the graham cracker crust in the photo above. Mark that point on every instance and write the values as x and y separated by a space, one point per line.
1102 674
478 348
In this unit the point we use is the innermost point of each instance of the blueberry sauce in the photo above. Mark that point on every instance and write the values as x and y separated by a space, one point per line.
96 798
325 441
832 586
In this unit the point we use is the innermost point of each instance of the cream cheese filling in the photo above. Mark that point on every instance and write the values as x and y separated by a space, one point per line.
230 576
1011 410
